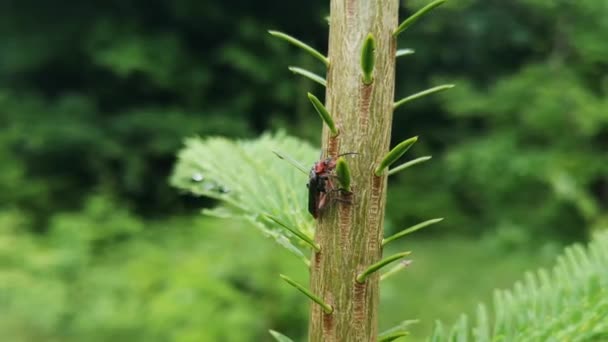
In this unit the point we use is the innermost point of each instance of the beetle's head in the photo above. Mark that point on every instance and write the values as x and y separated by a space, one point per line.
320 167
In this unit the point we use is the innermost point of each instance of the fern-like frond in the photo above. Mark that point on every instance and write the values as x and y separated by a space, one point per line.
570 303
250 181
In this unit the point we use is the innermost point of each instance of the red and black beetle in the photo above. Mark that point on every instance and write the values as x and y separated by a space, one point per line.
320 184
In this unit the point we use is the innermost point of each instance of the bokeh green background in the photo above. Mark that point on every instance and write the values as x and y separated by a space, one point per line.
97 96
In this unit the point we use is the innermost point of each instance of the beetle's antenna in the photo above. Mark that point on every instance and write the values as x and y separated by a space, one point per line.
339 155
347 153
291 161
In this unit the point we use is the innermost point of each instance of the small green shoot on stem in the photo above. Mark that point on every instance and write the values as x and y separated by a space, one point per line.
377 266
305 238
414 17
408 164
404 52
395 269
326 307
395 154
301 45
308 74
422 94
368 59
323 113
343 173
279 337
397 331
411 230
392 336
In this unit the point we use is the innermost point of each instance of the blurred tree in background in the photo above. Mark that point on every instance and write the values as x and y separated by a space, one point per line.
101 94
523 137
96 98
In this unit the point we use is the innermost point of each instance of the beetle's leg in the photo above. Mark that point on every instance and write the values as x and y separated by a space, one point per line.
322 201
342 190
341 199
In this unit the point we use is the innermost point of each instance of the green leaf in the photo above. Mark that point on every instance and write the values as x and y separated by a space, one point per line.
279 337
459 332
422 94
368 59
482 331
380 264
395 154
323 113
438 333
570 303
414 17
326 307
301 45
308 74
247 179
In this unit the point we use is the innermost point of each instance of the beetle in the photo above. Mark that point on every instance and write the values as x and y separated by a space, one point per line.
320 183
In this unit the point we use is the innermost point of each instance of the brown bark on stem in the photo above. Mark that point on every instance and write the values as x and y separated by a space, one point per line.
350 234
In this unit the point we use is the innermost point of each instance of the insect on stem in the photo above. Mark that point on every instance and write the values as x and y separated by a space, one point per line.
321 182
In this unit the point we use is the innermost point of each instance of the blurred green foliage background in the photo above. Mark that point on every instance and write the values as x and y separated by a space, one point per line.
96 98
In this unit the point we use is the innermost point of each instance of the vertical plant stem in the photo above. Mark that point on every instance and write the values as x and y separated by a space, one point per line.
350 232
